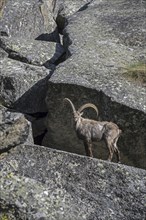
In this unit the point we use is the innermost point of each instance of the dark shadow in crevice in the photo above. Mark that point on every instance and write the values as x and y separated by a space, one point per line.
51 37
32 104
15 56
4 34
61 22
51 64
38 139
7 149
38 114
37 92
84 7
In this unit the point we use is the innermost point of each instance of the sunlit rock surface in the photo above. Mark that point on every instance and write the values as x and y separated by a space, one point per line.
40 183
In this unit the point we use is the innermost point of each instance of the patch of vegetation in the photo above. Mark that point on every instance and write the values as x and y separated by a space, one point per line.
136 73
4 217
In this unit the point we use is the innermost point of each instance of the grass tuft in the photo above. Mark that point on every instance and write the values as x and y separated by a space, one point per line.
2 5
136 73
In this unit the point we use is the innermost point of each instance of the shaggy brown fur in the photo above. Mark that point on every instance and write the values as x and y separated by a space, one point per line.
90 130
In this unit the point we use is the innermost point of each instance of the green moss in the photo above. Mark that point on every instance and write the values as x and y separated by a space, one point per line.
4 217
136 73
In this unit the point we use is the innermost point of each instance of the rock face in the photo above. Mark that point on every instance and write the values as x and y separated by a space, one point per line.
18 82
28 19
32 51
39 183
101 41
14 129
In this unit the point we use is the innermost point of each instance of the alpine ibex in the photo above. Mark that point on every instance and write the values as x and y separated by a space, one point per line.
90 130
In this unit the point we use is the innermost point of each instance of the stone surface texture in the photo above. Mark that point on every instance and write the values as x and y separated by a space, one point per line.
39 183
32 51
28 19
14 129
18 81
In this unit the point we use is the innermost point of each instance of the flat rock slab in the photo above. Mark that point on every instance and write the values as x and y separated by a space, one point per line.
69 7
3 53
29 19
103 40
14 129
17 84
32 51
39 183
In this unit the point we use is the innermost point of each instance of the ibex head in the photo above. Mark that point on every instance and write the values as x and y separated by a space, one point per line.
79 113
76 114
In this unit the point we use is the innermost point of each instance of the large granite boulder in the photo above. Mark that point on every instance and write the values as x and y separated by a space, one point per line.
65 8
14 129
23 86
102 41
32 51
3 54
28 19
39 183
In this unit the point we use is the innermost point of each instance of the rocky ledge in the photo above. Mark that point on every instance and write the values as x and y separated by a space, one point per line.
39 183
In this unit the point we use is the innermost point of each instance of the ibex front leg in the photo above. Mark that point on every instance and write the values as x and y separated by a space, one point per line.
88 148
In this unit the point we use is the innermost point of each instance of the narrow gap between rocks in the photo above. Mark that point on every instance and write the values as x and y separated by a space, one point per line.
84 7
37 119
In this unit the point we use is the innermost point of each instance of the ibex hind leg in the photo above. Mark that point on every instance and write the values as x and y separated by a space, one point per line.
110 148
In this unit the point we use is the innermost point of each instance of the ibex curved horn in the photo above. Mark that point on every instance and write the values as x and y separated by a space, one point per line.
88 105
72 105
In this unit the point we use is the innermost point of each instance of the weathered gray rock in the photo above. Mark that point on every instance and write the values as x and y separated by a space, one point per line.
39 183
14 129
3 54
65 8
39 127
100 56
32 51
101 40
28 19
23 86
